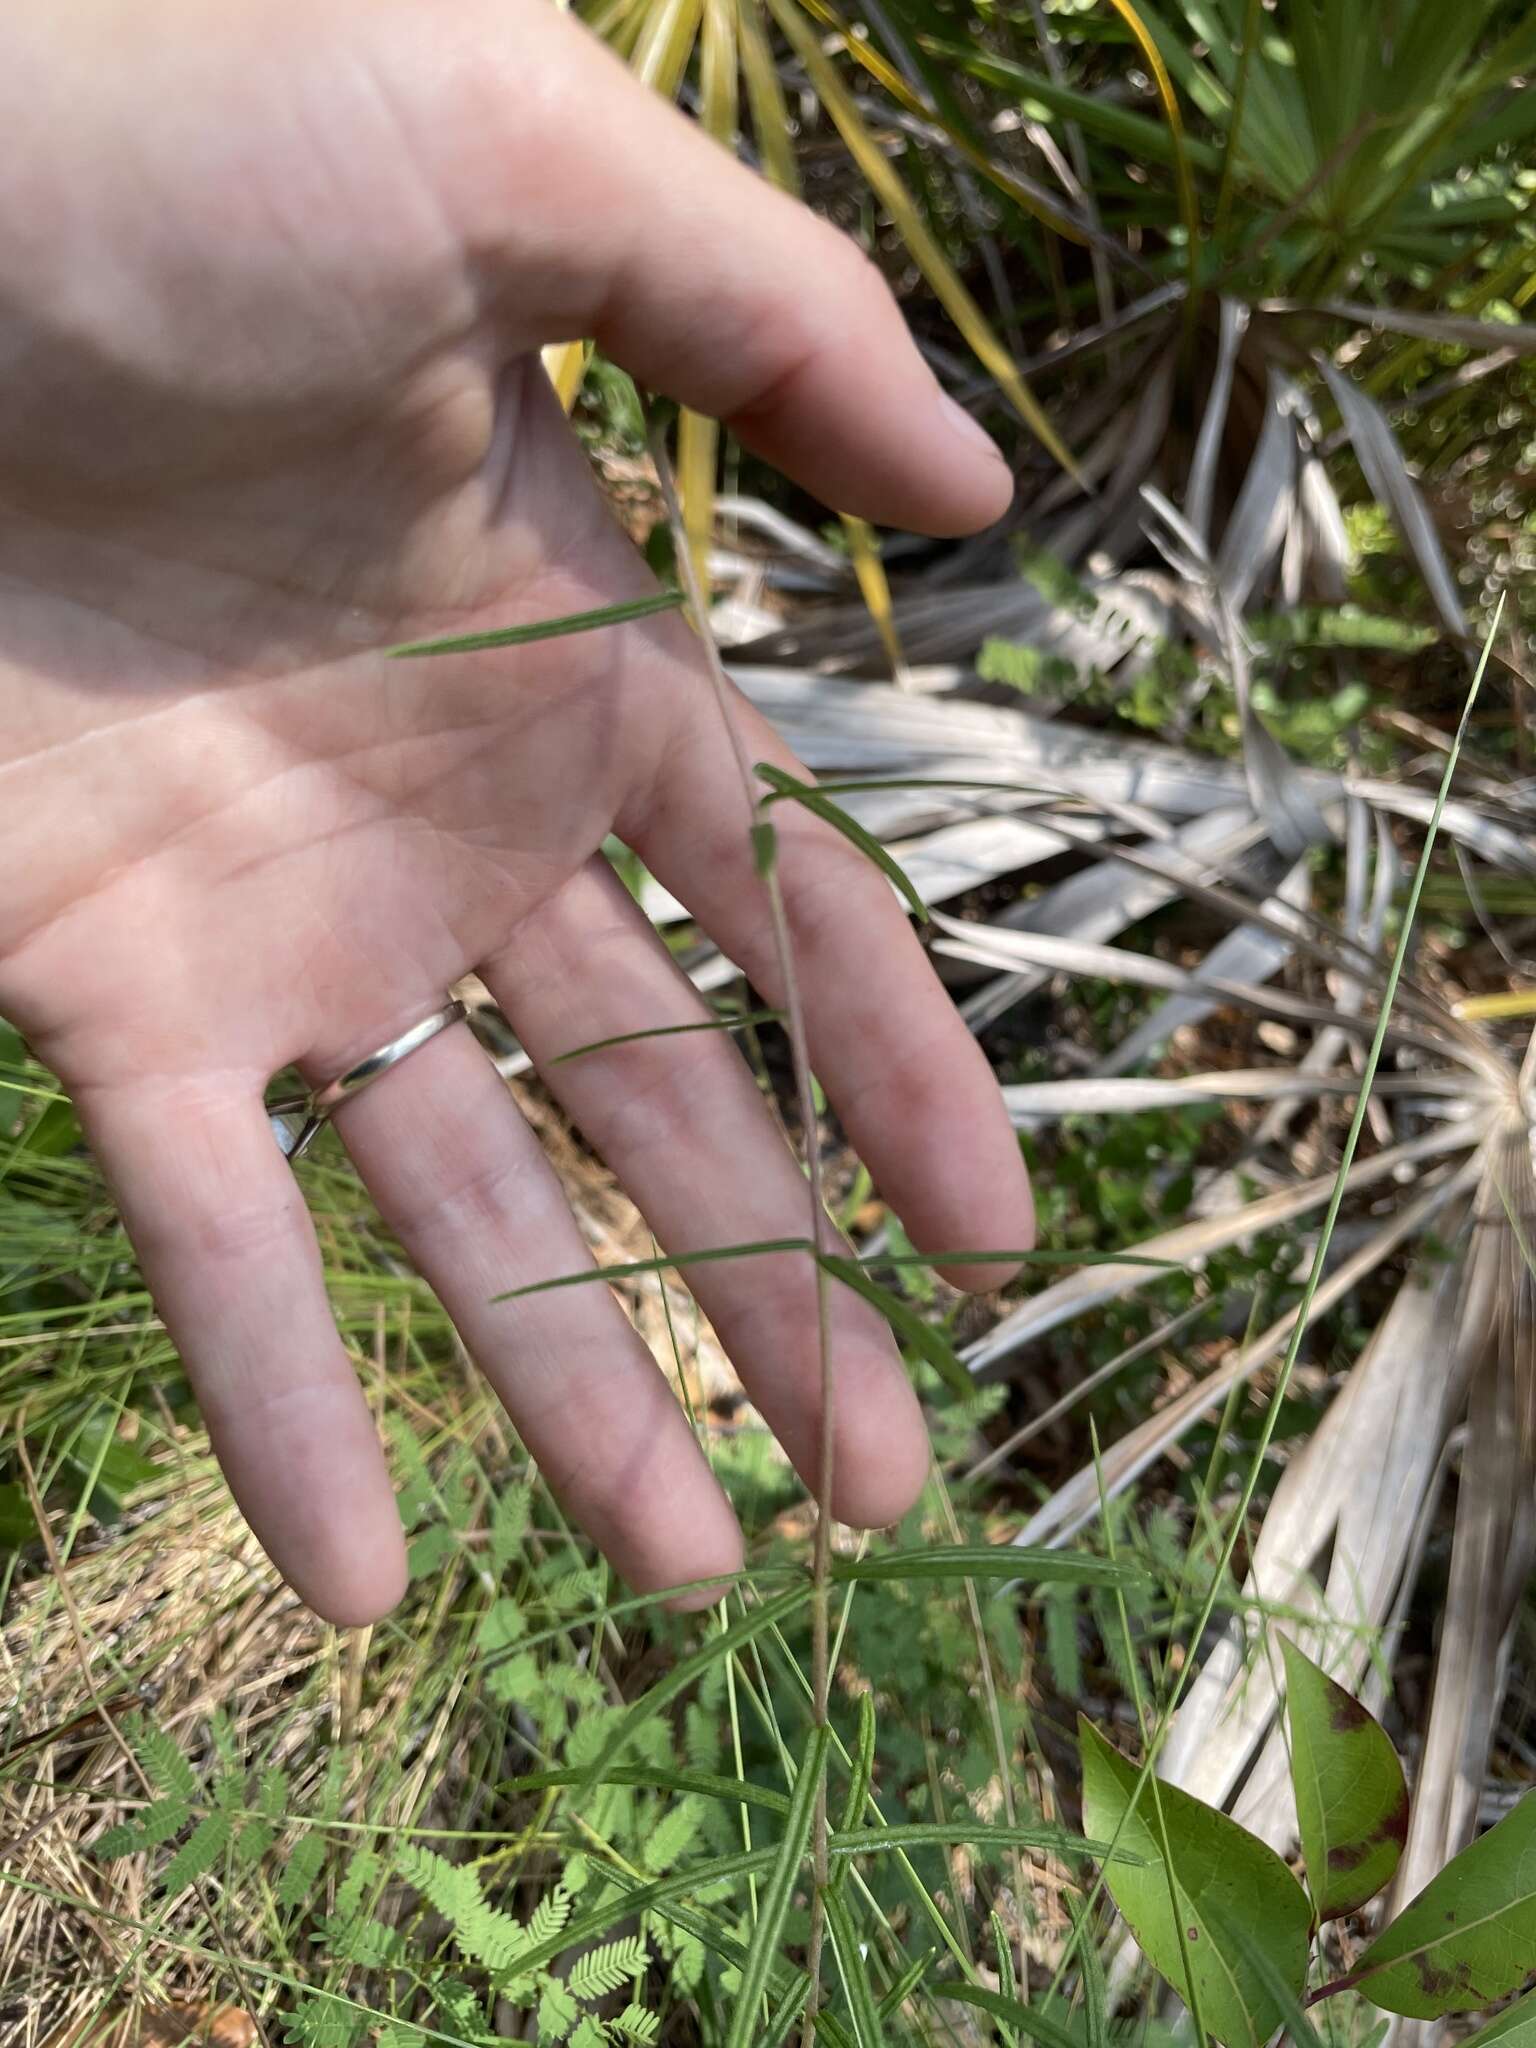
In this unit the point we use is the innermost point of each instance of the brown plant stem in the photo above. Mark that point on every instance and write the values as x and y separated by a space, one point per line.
794 1020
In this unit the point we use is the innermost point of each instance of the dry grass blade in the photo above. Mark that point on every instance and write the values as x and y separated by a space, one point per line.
1077 1502
1079 1292
1358 1487
1388 475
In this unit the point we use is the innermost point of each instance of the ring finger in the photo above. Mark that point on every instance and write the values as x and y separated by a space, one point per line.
462 1181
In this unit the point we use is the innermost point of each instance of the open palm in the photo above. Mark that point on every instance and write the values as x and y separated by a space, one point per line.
272 404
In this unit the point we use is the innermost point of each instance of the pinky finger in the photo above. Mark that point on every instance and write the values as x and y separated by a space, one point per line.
229 1252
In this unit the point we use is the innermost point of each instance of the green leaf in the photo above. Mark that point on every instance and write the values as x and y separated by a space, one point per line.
300 1871
541 629
501 1626
672 1835
1470 1935
867 2030
906 1984
790 788
733 1791
755 1622
199 1853
773 1908
1515 2028
989 1561
910 1329
1214 1872
164 1765
430 1551
977 1835
602 1970
860 1778
557 2010
635 2024
509 1523
1029 2019
18 1524
1351 1797
253 1842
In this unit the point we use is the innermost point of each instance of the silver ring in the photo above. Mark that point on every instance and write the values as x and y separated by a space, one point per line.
297 1120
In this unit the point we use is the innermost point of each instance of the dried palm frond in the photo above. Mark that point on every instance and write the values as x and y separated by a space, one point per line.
1459 1339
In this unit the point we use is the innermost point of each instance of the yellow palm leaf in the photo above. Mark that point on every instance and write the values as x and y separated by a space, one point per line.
1189 211
665 45
874 588
765 96
698 438
925 251
1514 1002
565 365
886 74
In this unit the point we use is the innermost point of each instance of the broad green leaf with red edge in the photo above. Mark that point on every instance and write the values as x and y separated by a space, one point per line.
1221 1878
1470 1935
1351 1797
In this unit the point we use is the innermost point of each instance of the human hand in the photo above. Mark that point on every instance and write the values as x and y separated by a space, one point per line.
271 293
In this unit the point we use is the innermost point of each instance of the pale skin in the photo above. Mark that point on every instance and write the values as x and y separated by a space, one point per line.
273 279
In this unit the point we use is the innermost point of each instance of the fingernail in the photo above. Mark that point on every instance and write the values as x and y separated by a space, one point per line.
970 430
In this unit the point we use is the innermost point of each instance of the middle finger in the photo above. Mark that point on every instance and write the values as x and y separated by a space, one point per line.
681 1122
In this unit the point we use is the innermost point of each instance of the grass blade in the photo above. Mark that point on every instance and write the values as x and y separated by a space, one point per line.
867 2029
779 1890
926 253
751 1625
1029 2019
988 1561
930 1344
746 1021
787 787
541 629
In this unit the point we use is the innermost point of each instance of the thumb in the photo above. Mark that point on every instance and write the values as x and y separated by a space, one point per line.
600 210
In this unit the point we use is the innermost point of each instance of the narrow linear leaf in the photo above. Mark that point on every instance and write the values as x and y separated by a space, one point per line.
989 1561
1029 2019
755 1622
1217 1873
1351 1797
704 1784
773 1908
762 1247
867 2029
908 1982
910 1328
1090 1965
787 788
861 1775
541 629
744 1022
1470 1935
976 1835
